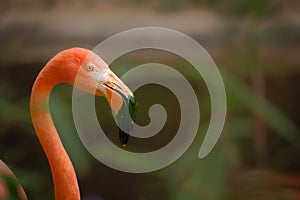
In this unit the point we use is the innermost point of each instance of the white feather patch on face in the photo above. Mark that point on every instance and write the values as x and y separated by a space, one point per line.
101 76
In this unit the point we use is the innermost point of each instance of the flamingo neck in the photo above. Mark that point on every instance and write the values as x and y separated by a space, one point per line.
64 177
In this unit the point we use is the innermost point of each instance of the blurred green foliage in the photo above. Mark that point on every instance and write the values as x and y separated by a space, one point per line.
230 171
255 8
187 178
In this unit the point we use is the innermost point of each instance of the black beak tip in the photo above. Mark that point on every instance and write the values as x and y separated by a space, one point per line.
124 137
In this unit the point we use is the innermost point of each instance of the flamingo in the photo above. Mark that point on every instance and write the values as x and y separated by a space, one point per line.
5 173
95 78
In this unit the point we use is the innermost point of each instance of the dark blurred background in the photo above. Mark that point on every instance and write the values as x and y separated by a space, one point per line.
256 46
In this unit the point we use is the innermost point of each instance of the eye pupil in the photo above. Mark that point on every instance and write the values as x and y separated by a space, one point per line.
90 68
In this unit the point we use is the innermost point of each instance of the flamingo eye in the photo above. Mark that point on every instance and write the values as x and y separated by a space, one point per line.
90 67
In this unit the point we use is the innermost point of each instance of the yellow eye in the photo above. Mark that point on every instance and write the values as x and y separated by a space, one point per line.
90 67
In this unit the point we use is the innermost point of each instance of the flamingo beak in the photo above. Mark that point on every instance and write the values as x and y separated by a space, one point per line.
123 105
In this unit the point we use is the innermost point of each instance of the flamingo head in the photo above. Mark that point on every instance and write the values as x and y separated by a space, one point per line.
88 72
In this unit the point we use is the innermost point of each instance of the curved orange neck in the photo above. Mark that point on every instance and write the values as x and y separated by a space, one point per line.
63 173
